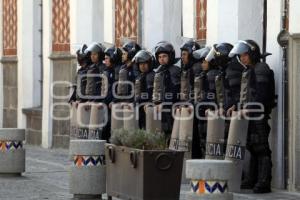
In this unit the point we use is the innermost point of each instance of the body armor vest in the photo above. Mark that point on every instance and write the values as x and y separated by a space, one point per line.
245 89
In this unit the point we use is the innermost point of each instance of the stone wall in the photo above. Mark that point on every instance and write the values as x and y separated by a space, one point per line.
33 125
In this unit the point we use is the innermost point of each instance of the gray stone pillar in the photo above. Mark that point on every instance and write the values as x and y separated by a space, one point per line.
88 172
215 136
209 179
236 147
12 153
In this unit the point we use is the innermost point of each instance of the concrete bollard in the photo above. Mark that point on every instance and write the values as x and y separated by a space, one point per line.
88 172
236 147
215 136
12 153
209 179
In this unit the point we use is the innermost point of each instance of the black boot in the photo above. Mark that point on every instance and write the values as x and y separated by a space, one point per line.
264 175
251 175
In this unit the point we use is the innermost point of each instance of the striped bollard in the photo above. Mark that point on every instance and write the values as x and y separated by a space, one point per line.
88 171
12 153
209 179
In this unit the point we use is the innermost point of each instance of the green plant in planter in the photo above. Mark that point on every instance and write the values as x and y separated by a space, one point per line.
138 139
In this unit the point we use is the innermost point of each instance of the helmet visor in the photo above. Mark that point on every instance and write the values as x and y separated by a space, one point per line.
211 55
239 48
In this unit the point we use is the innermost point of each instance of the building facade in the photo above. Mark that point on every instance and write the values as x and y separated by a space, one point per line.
39 38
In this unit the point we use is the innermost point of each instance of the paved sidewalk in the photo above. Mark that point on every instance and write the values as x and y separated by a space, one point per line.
46 177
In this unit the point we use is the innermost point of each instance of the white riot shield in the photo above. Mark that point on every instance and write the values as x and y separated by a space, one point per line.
174 142
186 129
215 136
97 120
129 116
236 147
73 122
83 120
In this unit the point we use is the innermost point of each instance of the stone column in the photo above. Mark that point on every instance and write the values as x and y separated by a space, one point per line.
88 171
12 153
9 63
237 20
159 17
209 179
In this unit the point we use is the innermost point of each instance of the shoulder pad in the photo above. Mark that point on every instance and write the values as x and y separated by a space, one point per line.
235 66
150 76
174 69
262 68
262 72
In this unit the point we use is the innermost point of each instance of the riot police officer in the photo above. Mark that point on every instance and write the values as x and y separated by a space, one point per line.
93 80
201 90
219 55
259 89
187 72
84 60
143 83
79 95
113 58
166 83
128 71
181 139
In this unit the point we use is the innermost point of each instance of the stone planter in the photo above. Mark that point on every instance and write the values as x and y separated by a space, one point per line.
143 174
12 153
88 171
